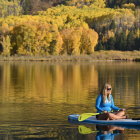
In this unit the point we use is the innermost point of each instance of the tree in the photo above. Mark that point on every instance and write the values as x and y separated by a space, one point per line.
99 46
8 8
110 45
98 3
131 41
31 39
71 40
137 44
112 25
129 6
55 47
121 41
89 40
5 45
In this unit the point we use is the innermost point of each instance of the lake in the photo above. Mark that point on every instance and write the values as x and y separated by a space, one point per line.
37 97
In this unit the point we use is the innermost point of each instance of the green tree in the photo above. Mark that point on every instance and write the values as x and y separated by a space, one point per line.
137 44
121 41
131 41
27 6
112 25
99 46
110 45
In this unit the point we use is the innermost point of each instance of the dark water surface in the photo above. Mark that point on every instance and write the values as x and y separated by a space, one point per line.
37 97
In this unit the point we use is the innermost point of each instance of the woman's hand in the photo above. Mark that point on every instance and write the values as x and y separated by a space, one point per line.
122 109
104 111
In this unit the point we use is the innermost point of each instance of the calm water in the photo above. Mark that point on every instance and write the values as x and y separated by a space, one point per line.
37 97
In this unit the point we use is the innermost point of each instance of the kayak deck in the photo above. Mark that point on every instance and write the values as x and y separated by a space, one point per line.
93 120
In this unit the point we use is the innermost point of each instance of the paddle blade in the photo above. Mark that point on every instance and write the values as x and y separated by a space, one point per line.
85 130
85 116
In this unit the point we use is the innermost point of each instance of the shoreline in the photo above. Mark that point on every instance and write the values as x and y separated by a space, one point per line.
96 56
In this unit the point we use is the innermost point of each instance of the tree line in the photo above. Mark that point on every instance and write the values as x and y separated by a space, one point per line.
69 30
32 6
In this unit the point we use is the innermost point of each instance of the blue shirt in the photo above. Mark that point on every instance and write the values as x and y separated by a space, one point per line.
108 136
107 106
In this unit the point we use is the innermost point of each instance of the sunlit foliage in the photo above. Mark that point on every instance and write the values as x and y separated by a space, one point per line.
10 8
129 6
79 40
70 30
81 3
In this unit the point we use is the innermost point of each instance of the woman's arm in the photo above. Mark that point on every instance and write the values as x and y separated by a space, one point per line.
98 103
112 104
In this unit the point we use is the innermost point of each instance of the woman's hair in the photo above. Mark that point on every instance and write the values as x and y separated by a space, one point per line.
104 92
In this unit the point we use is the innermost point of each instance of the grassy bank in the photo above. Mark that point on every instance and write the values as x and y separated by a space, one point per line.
98 55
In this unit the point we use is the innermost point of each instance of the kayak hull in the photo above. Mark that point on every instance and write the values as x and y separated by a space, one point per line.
93 120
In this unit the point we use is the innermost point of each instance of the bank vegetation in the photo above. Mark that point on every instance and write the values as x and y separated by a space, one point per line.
72 29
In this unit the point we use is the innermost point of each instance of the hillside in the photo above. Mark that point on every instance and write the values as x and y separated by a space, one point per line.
32 6
76 29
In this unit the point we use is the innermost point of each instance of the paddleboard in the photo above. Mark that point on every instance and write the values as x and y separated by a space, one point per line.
93 120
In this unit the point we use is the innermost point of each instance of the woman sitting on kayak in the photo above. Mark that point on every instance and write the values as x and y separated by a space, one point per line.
105 106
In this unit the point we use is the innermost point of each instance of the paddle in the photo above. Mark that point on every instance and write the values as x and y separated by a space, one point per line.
84 116
85 130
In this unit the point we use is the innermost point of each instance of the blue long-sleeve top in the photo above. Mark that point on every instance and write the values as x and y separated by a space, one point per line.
107 106
108 136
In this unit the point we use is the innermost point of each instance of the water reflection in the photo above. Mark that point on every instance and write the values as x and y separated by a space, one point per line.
24 132
107 132
103 132
39 82
67 83
125 78
37 97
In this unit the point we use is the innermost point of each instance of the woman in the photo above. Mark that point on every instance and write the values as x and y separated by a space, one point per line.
105 106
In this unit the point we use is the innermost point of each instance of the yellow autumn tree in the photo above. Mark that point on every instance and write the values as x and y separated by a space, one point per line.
5 39
6 45
89 40
55 47
71 40
79 40
129 6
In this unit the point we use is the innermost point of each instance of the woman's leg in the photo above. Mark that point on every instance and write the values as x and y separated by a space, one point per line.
120 113
103 116
112 116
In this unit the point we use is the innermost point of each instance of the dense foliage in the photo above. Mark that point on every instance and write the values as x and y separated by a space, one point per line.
46 34
120 3
8 7
70 30
32 6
